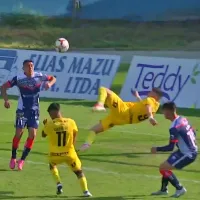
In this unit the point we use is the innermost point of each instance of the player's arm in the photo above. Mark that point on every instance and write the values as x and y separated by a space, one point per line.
75 131
4 87
148 105
172 142
50 80
136 94
44 131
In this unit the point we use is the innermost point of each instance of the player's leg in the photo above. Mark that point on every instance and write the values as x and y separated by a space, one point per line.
19 125
102 126
75 164
32 125
110 99
55 173
176 161
102 96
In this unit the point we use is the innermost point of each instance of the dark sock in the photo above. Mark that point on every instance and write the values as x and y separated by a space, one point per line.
25 153
174 181
27 148
14 153
165 182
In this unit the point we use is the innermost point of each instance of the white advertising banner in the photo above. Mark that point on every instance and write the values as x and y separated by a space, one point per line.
177 78
78 75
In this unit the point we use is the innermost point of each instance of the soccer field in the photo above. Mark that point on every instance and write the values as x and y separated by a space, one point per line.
118 166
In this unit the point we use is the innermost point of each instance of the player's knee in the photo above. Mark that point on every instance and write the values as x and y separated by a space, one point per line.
108 91
32 133
18 133
79 173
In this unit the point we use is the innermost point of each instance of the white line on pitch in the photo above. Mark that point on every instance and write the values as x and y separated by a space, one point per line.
127 175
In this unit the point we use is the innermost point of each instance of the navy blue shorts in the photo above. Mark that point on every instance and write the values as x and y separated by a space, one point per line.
27 118
179 160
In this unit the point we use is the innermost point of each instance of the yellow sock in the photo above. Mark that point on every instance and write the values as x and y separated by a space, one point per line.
102 95
91 137
83 183
55 174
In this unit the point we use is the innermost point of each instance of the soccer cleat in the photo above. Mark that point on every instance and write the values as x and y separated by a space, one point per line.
179 193
59 189
87 194
12 163
84 147
20 164
160 193
98 107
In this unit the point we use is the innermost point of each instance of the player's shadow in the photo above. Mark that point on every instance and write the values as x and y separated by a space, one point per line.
11 196
4 170
6 195
99 158
32 152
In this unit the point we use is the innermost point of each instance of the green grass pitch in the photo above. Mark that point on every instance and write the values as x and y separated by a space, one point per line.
118 166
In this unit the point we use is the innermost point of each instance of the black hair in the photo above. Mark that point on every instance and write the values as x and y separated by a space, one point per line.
158 91
27 61
53 107
169 106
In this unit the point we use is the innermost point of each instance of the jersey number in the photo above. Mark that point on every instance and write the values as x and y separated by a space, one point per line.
142 117
115 104
61 138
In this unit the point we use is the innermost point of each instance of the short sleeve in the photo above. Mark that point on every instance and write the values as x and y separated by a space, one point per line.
173 135
148 101
13 82
74 126
45 77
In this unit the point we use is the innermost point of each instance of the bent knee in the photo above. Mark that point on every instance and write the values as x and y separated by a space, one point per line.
108 91
79 173
165 166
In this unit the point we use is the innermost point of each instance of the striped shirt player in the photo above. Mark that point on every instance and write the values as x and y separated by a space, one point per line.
27 114
183 136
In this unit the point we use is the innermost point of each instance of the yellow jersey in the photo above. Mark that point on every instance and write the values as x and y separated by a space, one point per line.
60 133
138 109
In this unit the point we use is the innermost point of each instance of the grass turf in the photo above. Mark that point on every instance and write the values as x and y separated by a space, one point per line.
118 166
29 32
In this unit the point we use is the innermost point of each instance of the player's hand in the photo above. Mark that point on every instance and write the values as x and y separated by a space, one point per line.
6 104
47 85
44 121
153 150
153 121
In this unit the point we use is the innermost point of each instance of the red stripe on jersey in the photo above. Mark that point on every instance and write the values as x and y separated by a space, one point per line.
174 141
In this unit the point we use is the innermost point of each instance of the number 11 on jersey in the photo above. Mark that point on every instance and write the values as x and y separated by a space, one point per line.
61 138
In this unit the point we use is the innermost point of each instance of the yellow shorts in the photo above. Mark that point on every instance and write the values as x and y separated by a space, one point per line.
71 159
119 113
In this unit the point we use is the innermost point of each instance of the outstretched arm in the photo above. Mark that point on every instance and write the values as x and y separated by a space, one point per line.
172 142
136 94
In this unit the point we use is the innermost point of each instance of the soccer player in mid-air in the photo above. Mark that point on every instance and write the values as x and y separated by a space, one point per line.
184 137
27 114
61 133
122 113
